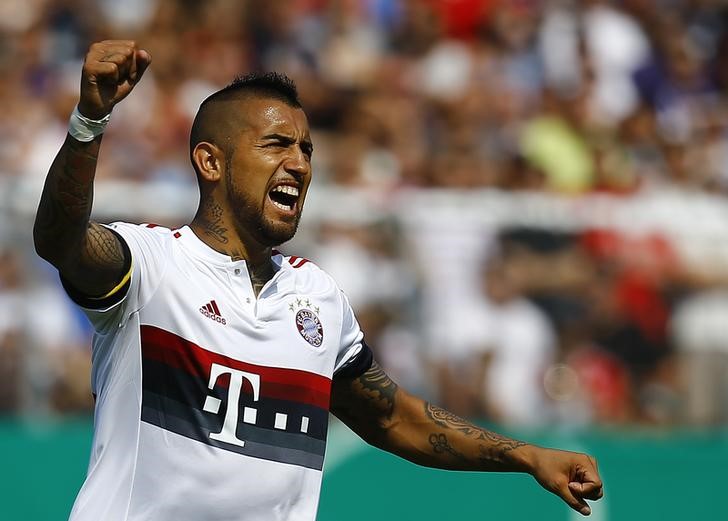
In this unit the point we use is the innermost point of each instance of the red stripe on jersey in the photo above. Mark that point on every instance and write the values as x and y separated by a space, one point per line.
208 307
281 383
215 308
301 262
292 259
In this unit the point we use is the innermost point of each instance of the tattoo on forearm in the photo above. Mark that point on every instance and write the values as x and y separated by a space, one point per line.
449 420
440 445
493 448
88 254
212 221
66 202
500 444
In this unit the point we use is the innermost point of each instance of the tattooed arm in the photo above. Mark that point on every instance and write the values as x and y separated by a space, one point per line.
88 255
388 417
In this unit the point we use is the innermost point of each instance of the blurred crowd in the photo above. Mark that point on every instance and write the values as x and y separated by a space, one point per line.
522 325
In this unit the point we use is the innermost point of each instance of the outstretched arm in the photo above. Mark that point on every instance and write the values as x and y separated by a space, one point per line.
388 417
88 255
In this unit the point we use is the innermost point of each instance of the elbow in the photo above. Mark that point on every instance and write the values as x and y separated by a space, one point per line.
40 243
383 434
46 246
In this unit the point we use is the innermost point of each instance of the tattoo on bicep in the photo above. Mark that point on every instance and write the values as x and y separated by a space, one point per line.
102 248
378 388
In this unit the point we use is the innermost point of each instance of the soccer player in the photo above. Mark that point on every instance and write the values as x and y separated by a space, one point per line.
216 359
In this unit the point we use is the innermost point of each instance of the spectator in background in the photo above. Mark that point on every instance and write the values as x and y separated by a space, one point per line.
366 261
416 102
700 331
44 355
12 334
518 344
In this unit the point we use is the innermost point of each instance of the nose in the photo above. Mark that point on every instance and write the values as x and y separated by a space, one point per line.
297 163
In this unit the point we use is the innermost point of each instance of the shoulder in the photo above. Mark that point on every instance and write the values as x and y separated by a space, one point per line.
147 232
309 277
143 228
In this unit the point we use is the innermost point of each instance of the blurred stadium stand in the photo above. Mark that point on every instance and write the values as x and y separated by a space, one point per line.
526 200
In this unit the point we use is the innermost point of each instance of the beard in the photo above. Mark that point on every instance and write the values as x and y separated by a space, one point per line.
252 219
273 233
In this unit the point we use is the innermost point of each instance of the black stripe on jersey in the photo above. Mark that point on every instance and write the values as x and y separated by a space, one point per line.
259 443
357 366
189 392
174 399
198 425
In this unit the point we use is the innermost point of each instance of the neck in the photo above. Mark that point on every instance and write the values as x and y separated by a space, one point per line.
213 225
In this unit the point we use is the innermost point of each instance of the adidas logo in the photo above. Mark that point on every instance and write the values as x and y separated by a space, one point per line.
211 311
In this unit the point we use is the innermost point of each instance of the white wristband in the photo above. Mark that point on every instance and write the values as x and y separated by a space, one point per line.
84 129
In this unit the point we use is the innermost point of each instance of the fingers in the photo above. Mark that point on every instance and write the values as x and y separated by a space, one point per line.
572 476
585 482
122 54
590 490
120 58
110 72
143 60
574 501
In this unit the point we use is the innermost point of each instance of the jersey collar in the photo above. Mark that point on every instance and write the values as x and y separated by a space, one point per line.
191 242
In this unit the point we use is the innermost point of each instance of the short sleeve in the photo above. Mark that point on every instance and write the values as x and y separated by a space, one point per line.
145 246
354 356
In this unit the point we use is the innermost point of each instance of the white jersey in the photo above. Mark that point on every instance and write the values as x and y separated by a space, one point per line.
212 404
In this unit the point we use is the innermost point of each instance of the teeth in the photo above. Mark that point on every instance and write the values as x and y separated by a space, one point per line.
281 206
290 190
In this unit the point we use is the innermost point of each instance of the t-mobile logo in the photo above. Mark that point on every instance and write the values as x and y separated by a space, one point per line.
212 404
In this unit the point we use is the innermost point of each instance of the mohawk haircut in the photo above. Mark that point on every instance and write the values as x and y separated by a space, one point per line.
210 121
265 85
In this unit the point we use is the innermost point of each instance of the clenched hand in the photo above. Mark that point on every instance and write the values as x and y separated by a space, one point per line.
571 476
110 71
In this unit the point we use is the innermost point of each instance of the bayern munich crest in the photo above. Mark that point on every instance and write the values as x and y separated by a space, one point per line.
309 326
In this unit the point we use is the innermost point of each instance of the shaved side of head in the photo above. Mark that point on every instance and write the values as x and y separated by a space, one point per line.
220 117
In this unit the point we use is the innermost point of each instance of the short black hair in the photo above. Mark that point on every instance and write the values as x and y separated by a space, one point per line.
263 84
211 120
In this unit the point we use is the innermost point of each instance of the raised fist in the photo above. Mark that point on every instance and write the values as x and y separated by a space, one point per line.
110 71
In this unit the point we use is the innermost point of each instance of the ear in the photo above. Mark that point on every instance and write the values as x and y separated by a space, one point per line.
209 161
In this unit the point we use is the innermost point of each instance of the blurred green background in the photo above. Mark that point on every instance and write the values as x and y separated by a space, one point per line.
648 476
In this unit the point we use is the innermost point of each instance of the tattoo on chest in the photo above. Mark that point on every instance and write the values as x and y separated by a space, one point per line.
258 281
259 276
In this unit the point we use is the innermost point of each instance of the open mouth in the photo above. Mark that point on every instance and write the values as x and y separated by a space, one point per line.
284 197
